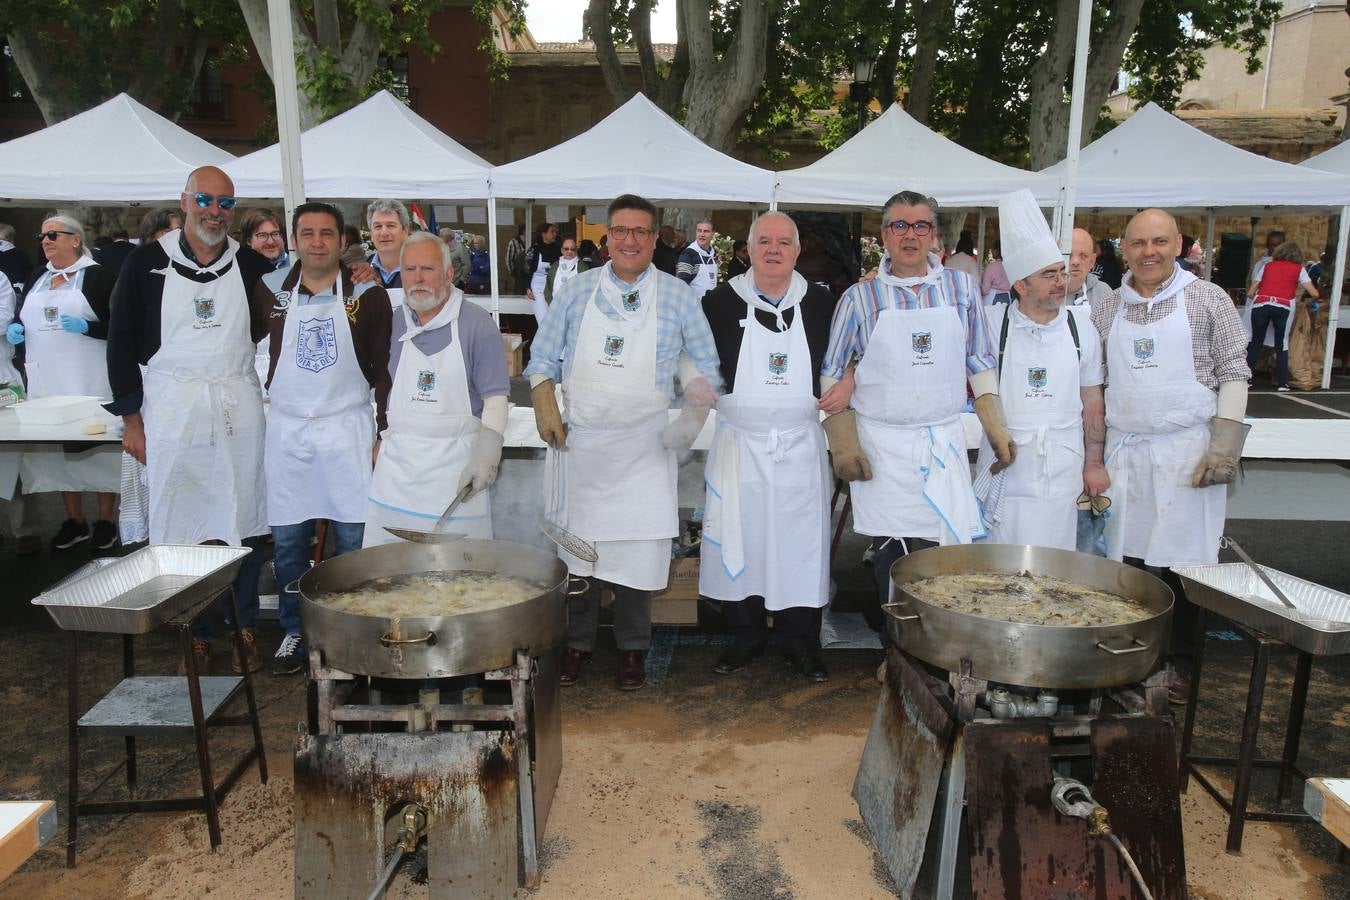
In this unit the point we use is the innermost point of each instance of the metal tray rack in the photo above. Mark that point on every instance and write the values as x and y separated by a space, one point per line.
141 591
1319 625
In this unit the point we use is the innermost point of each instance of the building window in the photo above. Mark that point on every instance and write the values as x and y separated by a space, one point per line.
397 67
207 100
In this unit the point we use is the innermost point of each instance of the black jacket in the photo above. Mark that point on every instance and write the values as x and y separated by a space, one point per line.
725 309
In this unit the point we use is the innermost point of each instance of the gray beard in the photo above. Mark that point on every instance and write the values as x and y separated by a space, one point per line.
431 302
206 237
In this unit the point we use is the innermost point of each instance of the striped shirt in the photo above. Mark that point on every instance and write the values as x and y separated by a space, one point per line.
681 326
1218 340
856 316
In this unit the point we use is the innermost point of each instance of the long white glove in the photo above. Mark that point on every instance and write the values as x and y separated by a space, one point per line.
681 433
483 463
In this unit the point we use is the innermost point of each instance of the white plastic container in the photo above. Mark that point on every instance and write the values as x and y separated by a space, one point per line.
56 410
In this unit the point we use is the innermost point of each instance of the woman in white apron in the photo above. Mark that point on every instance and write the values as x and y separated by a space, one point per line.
567 267
64 319
430 439
543 253
765 523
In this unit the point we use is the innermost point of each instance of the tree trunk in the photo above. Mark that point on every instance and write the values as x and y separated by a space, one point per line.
932 23
38 70
884 77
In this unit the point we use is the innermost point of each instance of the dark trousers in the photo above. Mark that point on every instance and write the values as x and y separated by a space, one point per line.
245 593
632 612
1277 317
795 629
1185 616
885 551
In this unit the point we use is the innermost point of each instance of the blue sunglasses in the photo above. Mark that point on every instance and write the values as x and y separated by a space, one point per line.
224 202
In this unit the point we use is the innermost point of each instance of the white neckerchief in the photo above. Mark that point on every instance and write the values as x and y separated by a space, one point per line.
932 276
567 265
1178 282
5 246
612 294
744 287
170 244
709 256
83 262
449 312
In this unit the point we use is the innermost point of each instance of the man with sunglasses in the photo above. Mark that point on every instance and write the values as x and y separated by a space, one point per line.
195 418
919 335
1050 381
613 336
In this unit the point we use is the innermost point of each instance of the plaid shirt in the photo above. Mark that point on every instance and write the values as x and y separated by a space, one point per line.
681 325
1218 340
856 316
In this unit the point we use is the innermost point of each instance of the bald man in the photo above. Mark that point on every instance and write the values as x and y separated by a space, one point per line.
195 418
1084 287
1176 395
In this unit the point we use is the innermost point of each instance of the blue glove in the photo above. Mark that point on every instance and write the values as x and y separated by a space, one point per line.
1316 306
14 333
74 325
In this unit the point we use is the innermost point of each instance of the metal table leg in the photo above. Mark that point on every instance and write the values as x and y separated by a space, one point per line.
72 742
1197 663
199 735
129 671
248 688
1298 701
1251 724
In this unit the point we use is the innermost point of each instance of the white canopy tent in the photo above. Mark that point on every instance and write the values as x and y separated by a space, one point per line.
120 152
895 151
1336 160
342 159
635 149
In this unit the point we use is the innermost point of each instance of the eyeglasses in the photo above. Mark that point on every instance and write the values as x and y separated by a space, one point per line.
900 226
621 232
263 235
204 201
568 247
1052 277
51 235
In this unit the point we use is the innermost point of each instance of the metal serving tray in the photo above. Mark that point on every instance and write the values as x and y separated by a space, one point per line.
1319 625
141 591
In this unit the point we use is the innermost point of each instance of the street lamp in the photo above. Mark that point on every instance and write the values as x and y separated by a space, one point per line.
860 92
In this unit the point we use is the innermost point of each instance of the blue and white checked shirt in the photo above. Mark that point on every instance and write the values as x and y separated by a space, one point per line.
681 325
856 316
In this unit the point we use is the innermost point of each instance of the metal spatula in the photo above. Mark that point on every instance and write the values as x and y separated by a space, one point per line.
436 535
581 549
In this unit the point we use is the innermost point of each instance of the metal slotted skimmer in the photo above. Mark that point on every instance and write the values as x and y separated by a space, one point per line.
581 549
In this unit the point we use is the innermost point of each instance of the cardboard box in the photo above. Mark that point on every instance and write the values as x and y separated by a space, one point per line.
515 357
678 603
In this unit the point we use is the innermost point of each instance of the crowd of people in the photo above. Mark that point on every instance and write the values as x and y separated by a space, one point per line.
388 397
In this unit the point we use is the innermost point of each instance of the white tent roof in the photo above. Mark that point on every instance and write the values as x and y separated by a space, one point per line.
1337 159
1155 159
896 152
635 149
118 152
379 148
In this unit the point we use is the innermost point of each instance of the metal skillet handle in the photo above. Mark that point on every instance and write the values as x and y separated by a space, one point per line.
1136 646
576 592
389 640
899 618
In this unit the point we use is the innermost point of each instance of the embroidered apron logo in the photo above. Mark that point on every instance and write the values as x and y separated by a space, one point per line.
1143 348
1036 377
922 341
316 345
614 343
778 363
49 313
205 307
426 380
631 301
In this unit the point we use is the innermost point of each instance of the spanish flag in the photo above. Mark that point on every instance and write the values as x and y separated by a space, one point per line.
418 223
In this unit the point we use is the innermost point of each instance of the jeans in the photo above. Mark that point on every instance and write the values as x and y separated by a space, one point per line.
292 556
885 551
1272 314
245 593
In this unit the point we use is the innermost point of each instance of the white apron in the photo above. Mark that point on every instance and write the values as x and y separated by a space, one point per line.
538 279
62 364
567 270
1039 387
203 410
430 438
617 482
1157 417
706 277
765 522
911 388
319 431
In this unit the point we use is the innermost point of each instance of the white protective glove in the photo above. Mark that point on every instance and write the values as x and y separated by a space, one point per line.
699 398
481 470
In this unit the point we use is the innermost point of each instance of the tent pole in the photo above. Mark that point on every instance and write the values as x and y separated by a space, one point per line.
494 260
1337 280
288 105
1209 245
979 248
529 223
1070 196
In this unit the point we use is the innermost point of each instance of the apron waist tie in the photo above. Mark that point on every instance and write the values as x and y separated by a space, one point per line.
212 384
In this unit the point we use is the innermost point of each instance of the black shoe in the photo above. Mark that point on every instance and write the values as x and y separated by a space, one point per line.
105 535
69 534
28 545
735 657
290 656
808 665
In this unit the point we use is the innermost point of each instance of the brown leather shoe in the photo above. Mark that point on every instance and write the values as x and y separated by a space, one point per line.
201 658
632 669
252 654
569 667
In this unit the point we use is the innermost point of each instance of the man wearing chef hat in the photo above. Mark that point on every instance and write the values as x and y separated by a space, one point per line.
447 404
1176 395
766 546
613 337
1050 381
919 334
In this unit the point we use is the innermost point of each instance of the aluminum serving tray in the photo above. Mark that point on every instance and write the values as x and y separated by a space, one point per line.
1319 625
141 591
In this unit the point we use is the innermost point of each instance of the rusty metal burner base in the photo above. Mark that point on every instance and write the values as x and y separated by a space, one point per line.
959 805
